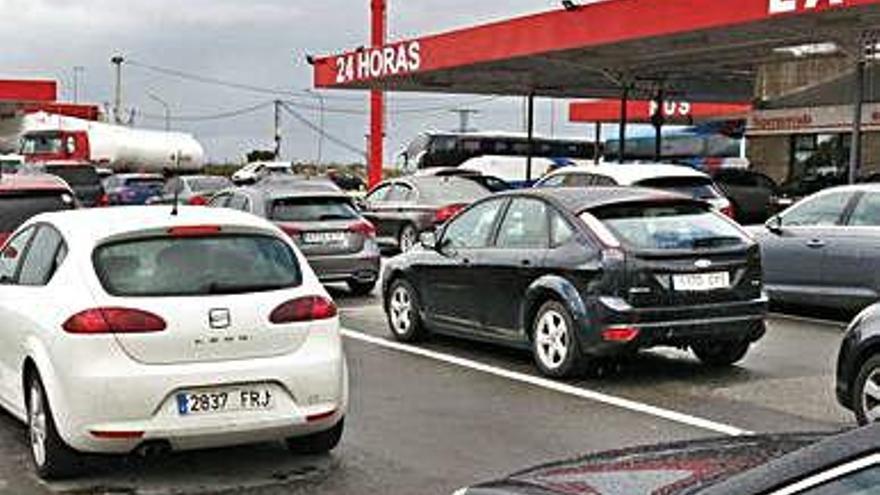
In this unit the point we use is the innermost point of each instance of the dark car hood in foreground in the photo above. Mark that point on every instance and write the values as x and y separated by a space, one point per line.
672 469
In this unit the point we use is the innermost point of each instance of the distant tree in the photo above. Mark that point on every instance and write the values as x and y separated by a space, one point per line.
260 156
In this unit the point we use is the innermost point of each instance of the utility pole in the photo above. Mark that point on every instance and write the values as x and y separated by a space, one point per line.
117 61
166 107
277 130
77 70
464 115
320 97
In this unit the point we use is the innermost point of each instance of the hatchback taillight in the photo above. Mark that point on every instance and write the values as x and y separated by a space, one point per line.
103 200
447 212
363 228
729 211
308 308
113 320
198 201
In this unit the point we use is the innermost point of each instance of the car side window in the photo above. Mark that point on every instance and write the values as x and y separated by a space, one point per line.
555 181
525 225
175 184
41 260
560 230
864 482
602 180
579 180
866 212
239 202
823 210
399 193
379 194
12 255
220 201
473 228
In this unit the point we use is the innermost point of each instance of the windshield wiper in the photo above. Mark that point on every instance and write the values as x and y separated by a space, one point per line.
716 241
334 216
216 288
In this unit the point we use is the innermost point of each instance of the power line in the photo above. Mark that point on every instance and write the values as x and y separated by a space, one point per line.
311 125
217 116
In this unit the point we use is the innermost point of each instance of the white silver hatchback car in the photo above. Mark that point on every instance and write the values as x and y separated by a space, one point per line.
130 328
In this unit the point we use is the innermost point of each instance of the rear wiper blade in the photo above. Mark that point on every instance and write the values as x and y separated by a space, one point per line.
222 288
334 217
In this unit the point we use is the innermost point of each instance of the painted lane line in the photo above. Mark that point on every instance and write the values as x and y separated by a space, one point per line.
562 388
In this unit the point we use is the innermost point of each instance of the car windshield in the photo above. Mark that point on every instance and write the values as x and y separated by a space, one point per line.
314 209
15 209
145 182
209 184
449 190
198 266
669 226
695 187
75 176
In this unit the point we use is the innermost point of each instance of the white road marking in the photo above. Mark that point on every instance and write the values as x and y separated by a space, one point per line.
563 388
812 321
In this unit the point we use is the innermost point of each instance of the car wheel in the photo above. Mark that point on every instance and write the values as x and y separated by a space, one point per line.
317 443
554 343
404 313
721 353
361 288
407 238
866 392
52 458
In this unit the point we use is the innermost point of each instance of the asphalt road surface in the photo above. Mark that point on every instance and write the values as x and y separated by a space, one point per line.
432 418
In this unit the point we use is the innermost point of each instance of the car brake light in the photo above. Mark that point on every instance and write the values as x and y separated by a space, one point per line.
364 228
308 308
447 212
117 435
198 201
104 200
194 231
729 211
620 334
293 232
113 320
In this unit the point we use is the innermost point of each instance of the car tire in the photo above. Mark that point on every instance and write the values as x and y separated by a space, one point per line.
317 443
404 312
866 392
361 288
52 458
555 345
721 353
407 238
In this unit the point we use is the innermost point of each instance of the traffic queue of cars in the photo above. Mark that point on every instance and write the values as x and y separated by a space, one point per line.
210 326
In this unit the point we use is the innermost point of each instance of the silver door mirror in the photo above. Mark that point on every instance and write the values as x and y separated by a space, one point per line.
774 224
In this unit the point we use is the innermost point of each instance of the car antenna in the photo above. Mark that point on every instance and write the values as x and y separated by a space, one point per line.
176 175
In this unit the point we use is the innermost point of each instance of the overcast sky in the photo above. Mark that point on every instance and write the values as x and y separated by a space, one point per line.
253 42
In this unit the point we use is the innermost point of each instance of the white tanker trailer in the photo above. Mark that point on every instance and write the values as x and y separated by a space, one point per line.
54 138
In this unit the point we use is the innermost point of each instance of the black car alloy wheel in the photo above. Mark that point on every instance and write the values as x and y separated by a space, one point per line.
866 392
403 312
554 344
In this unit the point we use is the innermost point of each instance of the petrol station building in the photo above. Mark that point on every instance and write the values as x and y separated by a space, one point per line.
803 66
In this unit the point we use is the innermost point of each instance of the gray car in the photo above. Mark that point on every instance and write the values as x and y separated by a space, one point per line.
322 220
825 250
401 209
191 189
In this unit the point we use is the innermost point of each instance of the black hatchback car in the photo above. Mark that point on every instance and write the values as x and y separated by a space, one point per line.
574 276
858 367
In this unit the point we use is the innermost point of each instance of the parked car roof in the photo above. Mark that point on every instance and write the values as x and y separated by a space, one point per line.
294 186
33 181
579 199
632 173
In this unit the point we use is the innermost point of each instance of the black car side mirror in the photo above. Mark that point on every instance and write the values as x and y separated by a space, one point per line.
774 224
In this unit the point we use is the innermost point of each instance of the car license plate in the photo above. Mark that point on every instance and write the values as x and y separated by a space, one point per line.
215 401
701 282
324 237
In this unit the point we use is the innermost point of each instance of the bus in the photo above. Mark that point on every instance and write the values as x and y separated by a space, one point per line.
451 149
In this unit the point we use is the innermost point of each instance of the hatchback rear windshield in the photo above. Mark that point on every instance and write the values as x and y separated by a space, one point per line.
695 187
15 209
312 210
669 227
196 266
75 176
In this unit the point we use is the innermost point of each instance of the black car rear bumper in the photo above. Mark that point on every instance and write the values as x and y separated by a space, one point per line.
674 326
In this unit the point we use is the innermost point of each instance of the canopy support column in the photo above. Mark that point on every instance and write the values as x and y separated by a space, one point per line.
598 152
658 119
530 117
377 101
865 46
624 104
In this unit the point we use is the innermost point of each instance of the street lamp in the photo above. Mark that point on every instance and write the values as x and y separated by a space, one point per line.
320 98
165 106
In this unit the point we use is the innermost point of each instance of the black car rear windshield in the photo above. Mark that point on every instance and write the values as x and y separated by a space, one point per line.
17 208
695 187
196 266
312 210
669 226
74 175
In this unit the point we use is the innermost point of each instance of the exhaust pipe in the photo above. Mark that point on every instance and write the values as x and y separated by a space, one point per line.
153 449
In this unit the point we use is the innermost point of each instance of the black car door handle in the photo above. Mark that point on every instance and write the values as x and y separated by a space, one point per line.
526 262
816 243
465 261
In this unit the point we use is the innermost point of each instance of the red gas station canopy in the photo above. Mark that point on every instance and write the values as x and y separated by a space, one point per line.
701 50
641 111
28 91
